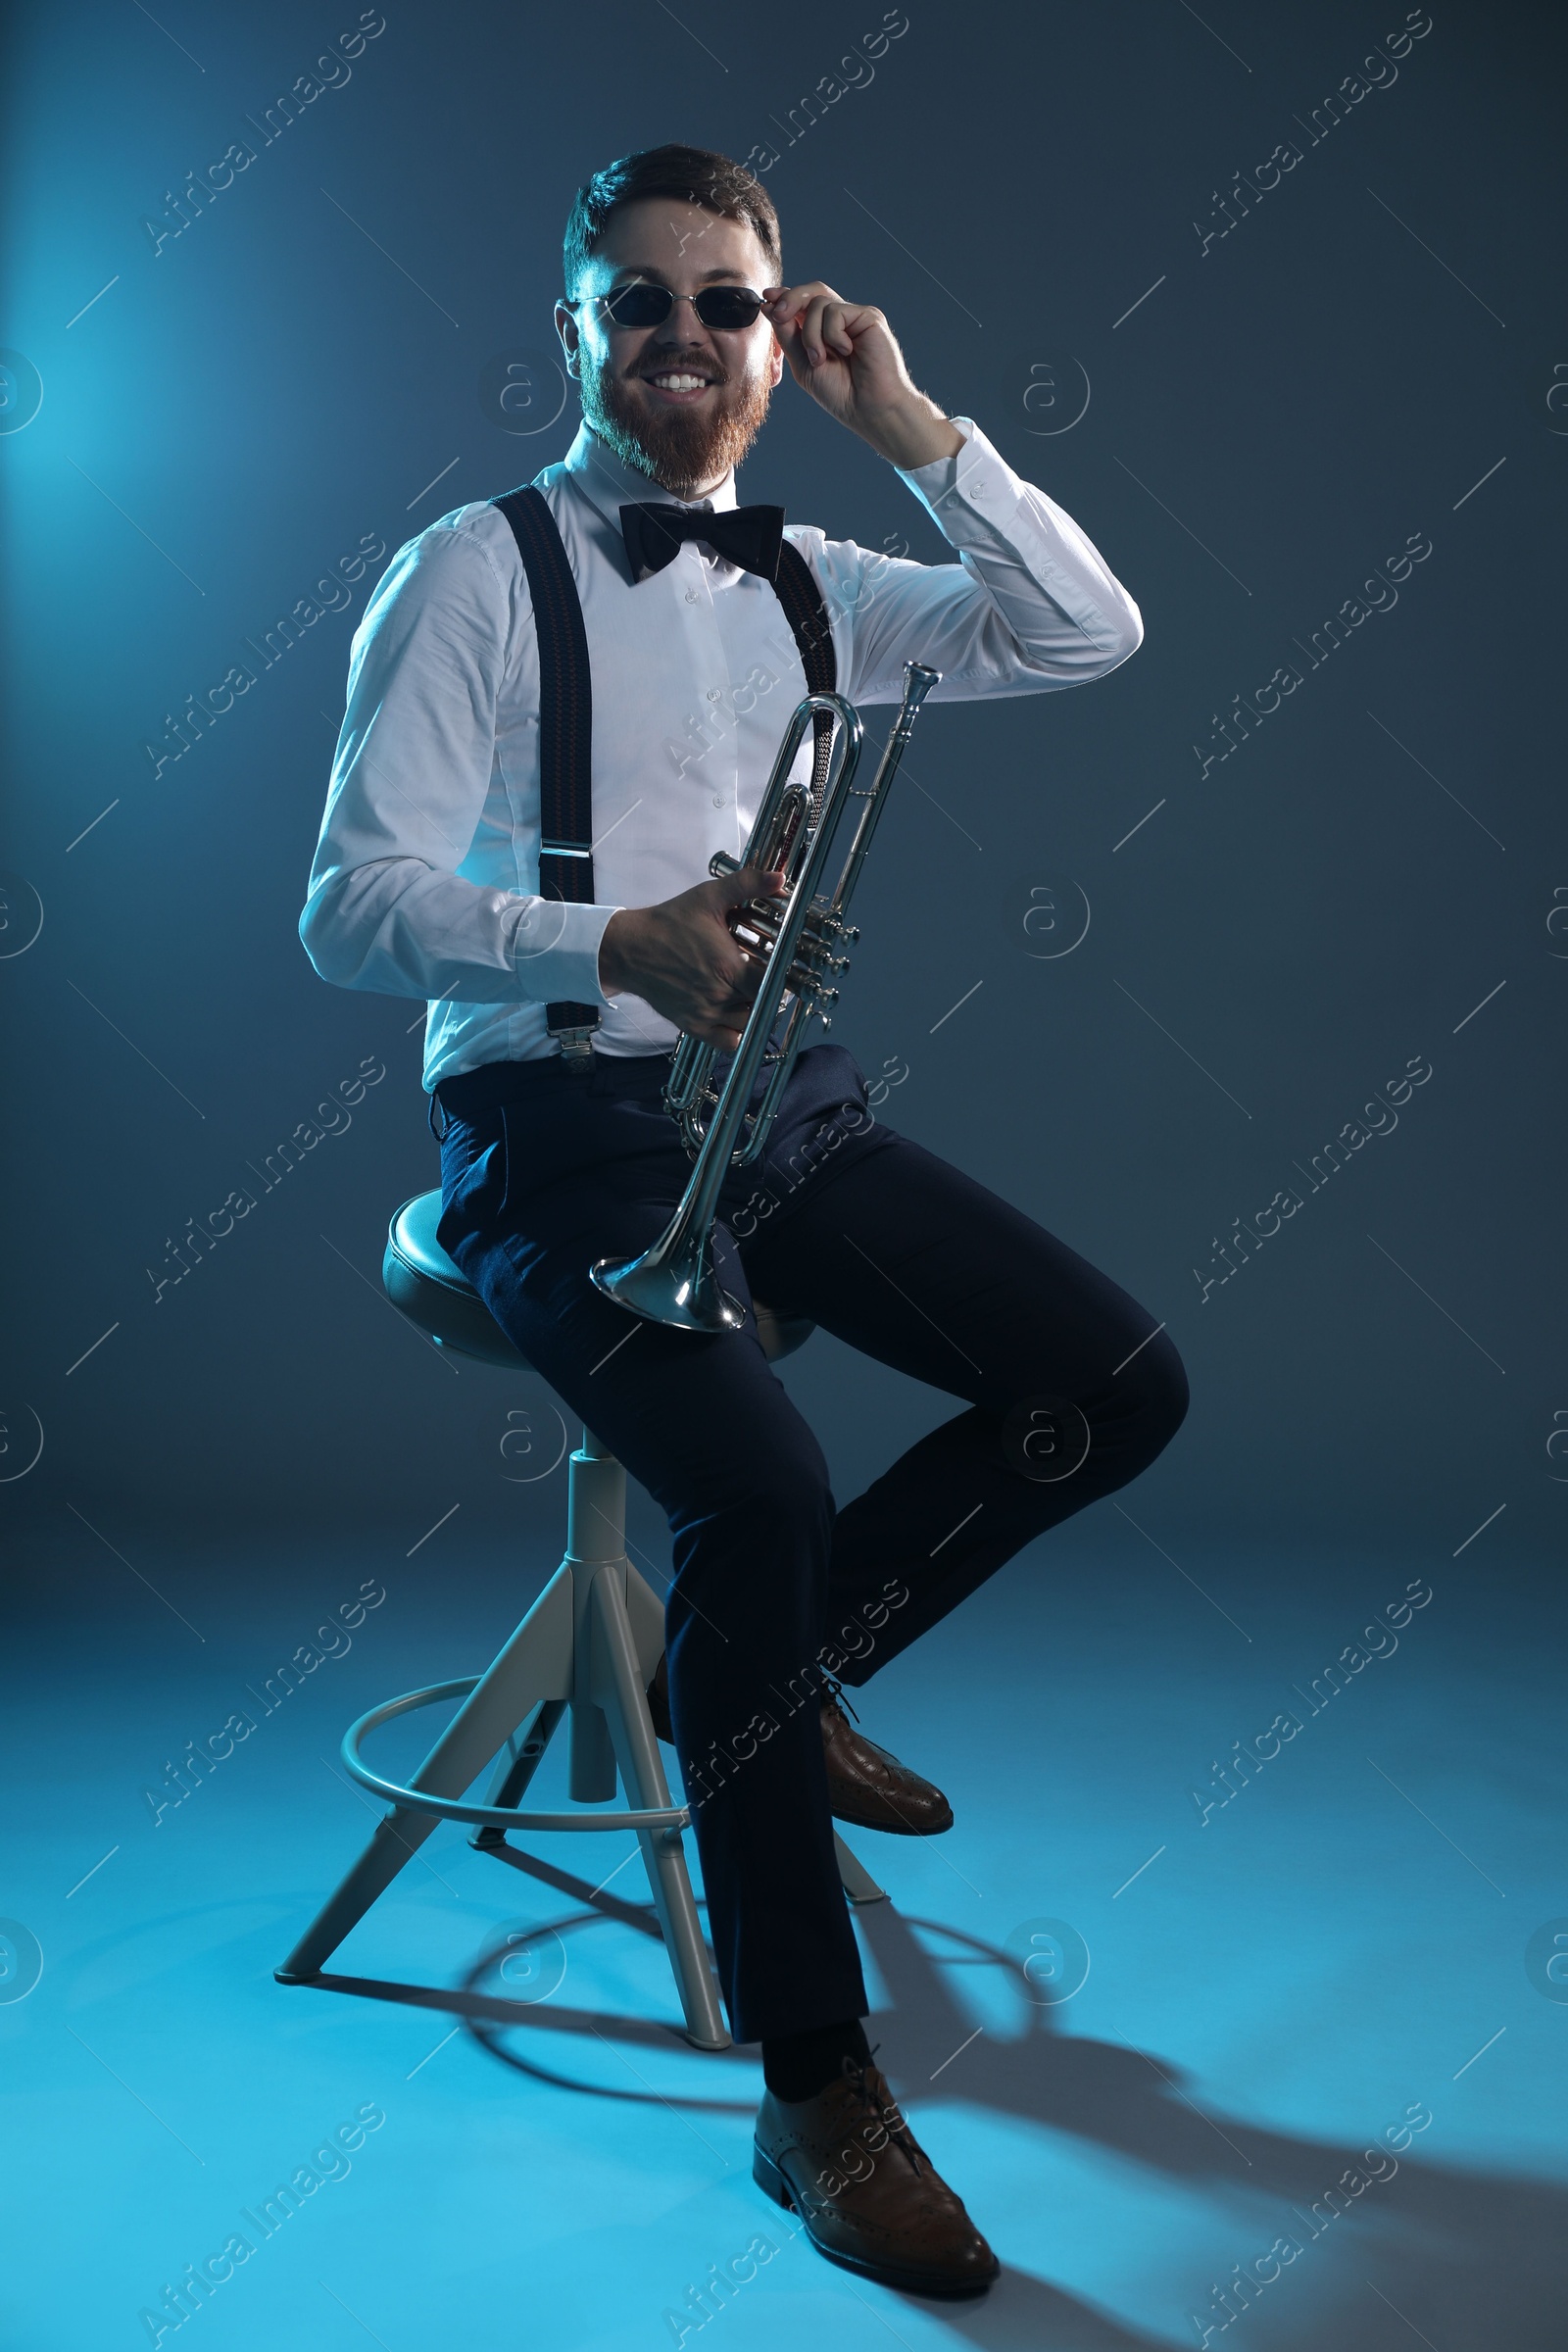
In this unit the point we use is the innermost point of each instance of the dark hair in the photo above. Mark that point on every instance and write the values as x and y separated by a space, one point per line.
698 173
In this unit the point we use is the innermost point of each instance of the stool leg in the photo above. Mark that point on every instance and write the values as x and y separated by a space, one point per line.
618 1686
515 1773
596 1535
535 1663
398 1838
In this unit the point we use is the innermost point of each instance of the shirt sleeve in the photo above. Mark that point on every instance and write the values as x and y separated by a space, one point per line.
389 907
1030 604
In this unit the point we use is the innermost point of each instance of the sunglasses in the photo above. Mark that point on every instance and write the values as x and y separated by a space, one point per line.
725 308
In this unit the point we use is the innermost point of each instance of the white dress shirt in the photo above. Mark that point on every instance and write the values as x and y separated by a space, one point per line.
426 875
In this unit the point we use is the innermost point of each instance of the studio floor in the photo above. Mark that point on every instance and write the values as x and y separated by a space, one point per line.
1338 1980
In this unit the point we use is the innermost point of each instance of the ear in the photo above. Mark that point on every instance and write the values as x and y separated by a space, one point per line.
567 329
775 369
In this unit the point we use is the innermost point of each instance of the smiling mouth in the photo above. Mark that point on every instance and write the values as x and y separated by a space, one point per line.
679 383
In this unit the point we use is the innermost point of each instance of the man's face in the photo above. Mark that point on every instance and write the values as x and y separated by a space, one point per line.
636 389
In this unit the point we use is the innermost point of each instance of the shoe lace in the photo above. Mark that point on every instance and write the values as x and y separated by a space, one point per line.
884 2107
835 1692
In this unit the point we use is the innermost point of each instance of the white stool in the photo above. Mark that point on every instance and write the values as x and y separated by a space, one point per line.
589 1644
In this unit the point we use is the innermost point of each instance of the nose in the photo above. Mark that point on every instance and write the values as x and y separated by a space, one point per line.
673 328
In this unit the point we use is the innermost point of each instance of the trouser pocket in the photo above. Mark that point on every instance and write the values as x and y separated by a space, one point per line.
474 1168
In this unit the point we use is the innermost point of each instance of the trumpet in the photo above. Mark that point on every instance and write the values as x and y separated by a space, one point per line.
801 937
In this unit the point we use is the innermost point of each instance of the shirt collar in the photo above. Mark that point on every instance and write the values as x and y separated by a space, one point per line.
608 483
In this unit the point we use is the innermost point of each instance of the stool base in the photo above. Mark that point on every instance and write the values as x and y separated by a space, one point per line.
588 1646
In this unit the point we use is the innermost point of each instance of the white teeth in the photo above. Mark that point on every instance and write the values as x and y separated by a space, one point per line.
679 383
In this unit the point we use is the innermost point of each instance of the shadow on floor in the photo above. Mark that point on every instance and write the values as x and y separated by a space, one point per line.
1449 2257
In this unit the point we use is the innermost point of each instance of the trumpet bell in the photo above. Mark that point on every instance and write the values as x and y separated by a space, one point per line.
675 1286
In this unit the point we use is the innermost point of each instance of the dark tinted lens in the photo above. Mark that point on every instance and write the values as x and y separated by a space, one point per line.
640 305
727 306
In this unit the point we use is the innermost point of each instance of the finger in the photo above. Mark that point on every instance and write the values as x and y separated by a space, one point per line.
730 969
824 306
796 320
790 300
787 334
739 980
836 329
750 882
812 329
721 1016
781 310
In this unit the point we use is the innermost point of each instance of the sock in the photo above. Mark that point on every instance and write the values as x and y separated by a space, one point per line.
797 2066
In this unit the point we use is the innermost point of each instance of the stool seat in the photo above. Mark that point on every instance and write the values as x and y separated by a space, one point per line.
421 1281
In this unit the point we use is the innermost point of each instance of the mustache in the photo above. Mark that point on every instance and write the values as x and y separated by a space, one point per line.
695 363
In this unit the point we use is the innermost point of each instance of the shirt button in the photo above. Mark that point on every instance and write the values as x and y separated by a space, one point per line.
978 491
713 694
691 596
718 800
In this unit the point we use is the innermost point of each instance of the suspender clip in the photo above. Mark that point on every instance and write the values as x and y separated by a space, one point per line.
576 1046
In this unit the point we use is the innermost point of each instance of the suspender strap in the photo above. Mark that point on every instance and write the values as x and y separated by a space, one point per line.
565 738
804 608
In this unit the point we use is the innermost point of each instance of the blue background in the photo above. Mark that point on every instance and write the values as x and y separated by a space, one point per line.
1369 354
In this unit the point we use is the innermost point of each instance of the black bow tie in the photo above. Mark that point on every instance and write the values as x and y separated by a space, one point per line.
749 536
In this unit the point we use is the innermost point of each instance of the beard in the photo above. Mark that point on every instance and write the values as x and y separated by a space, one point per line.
681 449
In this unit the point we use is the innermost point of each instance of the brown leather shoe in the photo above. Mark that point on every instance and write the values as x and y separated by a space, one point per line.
867 1787
868 2194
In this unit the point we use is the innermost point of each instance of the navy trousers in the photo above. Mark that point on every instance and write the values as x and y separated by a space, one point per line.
1066 1397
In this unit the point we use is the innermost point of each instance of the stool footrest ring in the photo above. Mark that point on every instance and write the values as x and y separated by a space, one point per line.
497 1817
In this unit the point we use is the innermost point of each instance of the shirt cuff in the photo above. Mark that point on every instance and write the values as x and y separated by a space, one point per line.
976 480
555 953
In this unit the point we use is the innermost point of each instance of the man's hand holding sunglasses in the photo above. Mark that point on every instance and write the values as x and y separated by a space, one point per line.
846 356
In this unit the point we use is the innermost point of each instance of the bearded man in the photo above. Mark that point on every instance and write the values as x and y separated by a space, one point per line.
562 953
